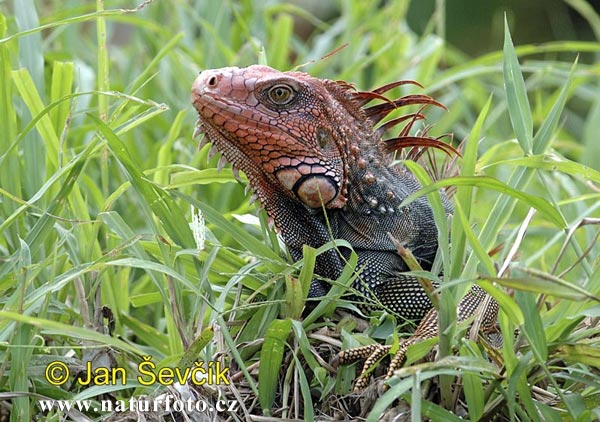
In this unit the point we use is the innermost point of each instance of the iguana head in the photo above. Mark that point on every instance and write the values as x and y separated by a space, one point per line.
284 128
291 132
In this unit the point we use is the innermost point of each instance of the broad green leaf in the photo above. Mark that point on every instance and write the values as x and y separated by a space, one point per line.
438 413
591 129
532 326
576 405
10 163
418 351
549 413
280 34
474 390
193 351
201 177
294 298
309 256
142 300
390 396
271 356
146 333
464 194
583 353
62 83
31 96
506 303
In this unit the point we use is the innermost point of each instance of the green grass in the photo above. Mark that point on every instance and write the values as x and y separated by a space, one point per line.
98 172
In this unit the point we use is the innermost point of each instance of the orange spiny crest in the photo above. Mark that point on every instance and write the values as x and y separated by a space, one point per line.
376 113
412 117
419 142
363 97
419 149
346 86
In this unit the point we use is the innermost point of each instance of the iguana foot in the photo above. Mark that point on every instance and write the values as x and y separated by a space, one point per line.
372 354
476 303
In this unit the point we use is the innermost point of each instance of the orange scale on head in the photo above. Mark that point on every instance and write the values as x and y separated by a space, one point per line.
304 169
241 133
237 81
219 119
230 126
247 113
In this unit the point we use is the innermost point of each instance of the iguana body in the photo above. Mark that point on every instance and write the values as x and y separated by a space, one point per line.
319 167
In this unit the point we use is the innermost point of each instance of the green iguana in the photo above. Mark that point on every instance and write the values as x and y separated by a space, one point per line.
318 165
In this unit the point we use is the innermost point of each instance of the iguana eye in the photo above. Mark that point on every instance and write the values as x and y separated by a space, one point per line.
281 94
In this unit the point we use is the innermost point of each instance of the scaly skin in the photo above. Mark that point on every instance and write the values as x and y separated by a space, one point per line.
321 171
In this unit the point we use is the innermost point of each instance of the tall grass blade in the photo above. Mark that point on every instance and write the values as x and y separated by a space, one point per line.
516 94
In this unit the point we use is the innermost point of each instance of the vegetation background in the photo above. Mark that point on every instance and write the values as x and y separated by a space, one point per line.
98 171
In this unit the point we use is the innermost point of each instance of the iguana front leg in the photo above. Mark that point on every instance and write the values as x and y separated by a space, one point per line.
476 304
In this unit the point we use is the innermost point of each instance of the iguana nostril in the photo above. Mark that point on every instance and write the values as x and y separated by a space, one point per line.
212 82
